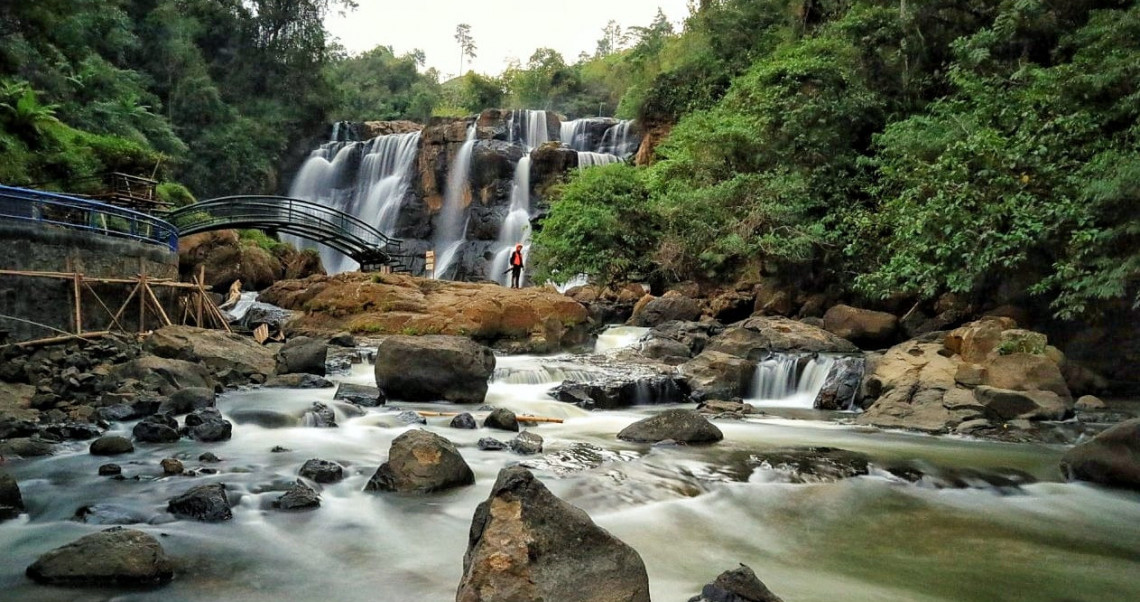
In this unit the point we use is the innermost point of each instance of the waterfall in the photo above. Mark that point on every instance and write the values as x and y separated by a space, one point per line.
779 382
516 228
619 337
617 140
451 224
589 159
575 134
382 181
529 128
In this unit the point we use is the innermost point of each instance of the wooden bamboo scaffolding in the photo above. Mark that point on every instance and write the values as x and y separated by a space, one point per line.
520 418
207 312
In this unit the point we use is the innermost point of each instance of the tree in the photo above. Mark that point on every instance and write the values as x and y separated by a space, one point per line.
611 40
466 43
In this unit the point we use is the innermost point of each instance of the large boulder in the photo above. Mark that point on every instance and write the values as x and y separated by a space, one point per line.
164 375
159 428
1111 458
682 426
1026 372
206 503
659 310
537 319
322 471
207 425
187 400
231 358
361 395
864 327
975 341
737 585
434 367
302 355
421 462
501 419
717 375
1028 405
11 502
526 544
299 496
114 557
111 445
758 336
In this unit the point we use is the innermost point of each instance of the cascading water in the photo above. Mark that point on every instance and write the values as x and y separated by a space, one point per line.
778 381
382 181
618 141
451 224
589 159
529 128
613 146
619 337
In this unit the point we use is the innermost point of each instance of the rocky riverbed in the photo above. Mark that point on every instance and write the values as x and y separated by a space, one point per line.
283 472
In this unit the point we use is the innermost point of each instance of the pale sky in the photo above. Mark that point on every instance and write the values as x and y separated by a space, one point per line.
502 29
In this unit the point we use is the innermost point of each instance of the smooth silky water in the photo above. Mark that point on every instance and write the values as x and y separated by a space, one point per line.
873 538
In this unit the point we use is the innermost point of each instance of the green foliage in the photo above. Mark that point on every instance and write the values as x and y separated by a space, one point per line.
600 225
174 193
261 240
378 85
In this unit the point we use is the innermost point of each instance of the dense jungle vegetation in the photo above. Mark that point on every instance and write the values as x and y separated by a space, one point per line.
893 148
888 147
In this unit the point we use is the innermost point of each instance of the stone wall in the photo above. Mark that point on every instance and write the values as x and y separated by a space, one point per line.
49 301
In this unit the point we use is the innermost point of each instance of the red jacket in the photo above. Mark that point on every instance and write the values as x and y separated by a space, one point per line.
516 259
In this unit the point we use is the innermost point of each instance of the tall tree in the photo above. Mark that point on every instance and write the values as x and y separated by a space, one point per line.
466 44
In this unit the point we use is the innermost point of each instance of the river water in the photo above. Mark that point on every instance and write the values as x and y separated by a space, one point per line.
691 512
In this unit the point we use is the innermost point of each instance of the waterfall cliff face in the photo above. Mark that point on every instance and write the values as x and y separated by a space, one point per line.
466 189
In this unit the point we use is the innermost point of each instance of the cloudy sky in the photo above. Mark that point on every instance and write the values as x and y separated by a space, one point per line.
502 29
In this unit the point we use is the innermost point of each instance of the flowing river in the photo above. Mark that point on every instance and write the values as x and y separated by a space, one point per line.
691 512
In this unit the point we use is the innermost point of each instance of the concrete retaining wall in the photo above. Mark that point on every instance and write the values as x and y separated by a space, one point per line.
36 247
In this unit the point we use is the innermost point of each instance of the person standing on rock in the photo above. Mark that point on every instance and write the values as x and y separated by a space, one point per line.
516 265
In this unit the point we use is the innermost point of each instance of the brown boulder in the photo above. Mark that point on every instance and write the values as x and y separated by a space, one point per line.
976 340
433 367
1026 372
527 545
756 336
421 462
1111 458
232 358
716 375
114 557
664 309
1027 405
863 327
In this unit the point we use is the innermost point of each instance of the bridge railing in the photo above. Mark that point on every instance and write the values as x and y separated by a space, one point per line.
35 206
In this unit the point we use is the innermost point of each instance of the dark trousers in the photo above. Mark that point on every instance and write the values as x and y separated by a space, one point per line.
516 272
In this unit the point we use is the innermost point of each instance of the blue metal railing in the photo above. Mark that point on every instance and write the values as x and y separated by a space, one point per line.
83 214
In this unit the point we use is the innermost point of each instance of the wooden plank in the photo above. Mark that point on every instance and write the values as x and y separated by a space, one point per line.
64 339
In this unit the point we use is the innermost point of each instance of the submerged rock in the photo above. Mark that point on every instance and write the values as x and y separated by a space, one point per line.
527 443
810 464
299 496
159 428
114 557
322 471
463 421
207 503
298 380
11 502
361 395
681 426
578 457
526 544
737 585
1111 458
172 466
110 470
434 367
319 416
208 425
111 445
421 462
502 419
491 444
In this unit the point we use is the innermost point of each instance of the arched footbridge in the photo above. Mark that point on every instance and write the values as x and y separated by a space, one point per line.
349 235
305 219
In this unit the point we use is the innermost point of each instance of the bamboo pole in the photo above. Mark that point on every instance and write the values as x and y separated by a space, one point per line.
164 282
158 306
78 308
142 302
520 418
201 281
99 300
130 297
65 338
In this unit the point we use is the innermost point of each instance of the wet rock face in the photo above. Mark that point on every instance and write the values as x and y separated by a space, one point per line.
526 545
502 419
717 375
322 471
159 428
609 391
841 388
208 425
682 426
114 557
434 367
319 416
527 443
302 355
11 503
111 445
1111 458
737 585
299 496
421 462
810 464
206 503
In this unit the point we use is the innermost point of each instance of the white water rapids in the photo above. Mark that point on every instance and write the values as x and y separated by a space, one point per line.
865 539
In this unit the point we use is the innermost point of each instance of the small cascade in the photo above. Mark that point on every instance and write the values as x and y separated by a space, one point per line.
374 192
529 128
618 140
451 223
784 380
619 337
589 159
